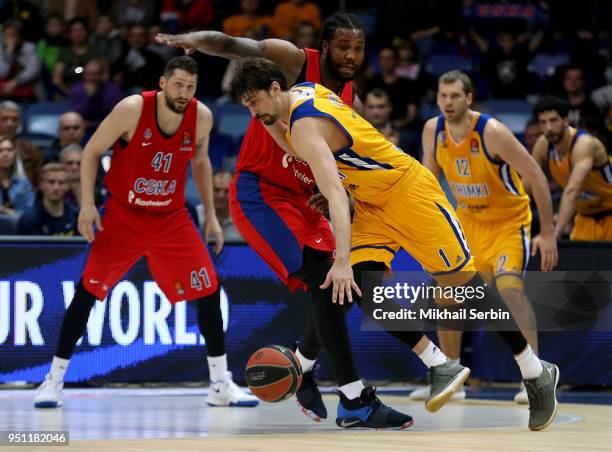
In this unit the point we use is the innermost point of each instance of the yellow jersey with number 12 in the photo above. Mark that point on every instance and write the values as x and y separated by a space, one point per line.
486 189
370 165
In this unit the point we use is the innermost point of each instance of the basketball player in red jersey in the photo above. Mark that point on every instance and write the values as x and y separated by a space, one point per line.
270 204
153 135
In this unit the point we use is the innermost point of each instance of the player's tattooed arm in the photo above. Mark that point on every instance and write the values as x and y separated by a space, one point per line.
215 43
201 169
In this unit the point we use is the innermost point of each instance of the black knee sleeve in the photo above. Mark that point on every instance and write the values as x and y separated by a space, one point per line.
75 321
210 322
328 319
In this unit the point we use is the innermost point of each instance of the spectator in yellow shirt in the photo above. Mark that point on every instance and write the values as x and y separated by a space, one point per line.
250 18
288 15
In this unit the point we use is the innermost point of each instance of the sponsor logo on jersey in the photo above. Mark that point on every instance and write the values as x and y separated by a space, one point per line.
154 187
335 100
469 190
474 147
147 134
186 137
152 202
178 286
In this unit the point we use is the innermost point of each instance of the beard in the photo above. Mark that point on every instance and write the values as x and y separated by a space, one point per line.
555 138
174 107
332 67
267 119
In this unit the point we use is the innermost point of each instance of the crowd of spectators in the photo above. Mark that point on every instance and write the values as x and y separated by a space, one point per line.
90 54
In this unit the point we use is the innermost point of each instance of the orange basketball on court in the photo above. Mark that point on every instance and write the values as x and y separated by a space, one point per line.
273 373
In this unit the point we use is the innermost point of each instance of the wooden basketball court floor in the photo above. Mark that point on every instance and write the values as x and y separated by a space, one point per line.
179 420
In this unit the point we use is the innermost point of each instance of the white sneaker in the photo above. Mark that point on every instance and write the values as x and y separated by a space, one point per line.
423 394
521 396
49 393
225 392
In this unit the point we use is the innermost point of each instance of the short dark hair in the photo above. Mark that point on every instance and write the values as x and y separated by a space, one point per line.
380 94
456 75
185 63
338 20
79 20
551 103
255 74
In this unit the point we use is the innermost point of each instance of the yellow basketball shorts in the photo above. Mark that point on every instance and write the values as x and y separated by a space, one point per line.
499 249
591 229
416 217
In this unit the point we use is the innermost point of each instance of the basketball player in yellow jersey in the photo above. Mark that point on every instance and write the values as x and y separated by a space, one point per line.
398 203
480 158
581 165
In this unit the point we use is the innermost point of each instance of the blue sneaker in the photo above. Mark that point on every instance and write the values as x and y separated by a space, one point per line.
368 411
309 397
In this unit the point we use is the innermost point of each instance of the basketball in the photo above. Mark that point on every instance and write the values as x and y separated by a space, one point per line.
273 373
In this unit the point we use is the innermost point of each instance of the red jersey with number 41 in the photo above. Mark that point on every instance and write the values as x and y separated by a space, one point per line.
260 155
150 171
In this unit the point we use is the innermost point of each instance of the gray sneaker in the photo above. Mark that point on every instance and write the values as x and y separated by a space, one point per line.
444 379
542 397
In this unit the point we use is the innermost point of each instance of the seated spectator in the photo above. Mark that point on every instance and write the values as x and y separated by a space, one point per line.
582 108
250 18
306 36
95 96
126 12
290 14
19 64
404 93
186 15
137 68
49 47
16 193
408 65
106 39
27 13
602 98
50 215
377 110
29 157
70 130
74 8
506 64
70 157
69 67
221 184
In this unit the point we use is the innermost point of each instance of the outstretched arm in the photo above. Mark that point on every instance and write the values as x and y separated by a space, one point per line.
307 140
284 53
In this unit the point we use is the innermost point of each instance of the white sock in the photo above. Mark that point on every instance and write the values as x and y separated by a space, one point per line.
432 356
352 390
306 363
58 368
217 367
529 363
